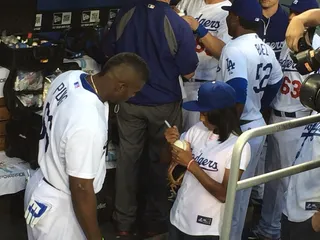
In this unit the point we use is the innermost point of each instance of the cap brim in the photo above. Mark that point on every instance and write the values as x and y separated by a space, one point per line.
226 8
194 106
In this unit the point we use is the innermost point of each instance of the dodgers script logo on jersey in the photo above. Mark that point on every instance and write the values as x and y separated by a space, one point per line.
309 133
205 163
276 46
211 25
287 64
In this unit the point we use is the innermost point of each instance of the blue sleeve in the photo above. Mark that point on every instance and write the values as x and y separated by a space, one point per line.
240 85
186 57
269 94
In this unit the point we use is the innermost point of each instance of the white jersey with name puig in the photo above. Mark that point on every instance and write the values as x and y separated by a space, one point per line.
303 194
212 17
195 211
248 57
74 133
288 97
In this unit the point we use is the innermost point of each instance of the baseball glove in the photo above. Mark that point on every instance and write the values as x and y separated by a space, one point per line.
175 176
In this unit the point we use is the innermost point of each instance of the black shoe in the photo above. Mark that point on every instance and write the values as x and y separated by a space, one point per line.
254 235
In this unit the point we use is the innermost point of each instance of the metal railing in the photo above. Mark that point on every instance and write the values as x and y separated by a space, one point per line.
235 185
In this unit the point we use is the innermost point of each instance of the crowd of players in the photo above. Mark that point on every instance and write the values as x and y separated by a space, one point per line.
231 66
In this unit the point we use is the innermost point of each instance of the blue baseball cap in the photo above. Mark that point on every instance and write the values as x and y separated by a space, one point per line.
212 96
300 6
249 10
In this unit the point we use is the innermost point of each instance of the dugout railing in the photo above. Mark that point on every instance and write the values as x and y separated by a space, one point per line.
234 185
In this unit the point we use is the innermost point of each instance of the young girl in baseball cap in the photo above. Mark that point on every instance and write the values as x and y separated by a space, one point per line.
198 209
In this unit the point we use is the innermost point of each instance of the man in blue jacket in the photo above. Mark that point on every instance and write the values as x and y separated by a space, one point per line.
165 41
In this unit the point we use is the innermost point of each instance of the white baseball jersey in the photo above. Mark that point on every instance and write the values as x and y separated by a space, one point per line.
195 211
74 133
248 57
212 17
288 97
303 195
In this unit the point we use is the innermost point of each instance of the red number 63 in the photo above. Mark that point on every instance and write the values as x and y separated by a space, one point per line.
285 88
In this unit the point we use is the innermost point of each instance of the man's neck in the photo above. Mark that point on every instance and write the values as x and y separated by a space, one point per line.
243 32
269 12
213 1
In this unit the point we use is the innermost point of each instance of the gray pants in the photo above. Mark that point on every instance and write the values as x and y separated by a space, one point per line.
141 132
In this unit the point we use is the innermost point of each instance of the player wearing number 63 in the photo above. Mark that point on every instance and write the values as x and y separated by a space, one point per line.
282 146
251 68
60 201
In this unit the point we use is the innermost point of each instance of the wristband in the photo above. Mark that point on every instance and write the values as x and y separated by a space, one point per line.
189 164
201 31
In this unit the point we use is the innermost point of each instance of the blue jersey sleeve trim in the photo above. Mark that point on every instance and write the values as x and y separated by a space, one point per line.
270 93
240 85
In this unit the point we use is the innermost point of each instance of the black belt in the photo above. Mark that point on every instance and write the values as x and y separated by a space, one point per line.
243 122
202 81
286 114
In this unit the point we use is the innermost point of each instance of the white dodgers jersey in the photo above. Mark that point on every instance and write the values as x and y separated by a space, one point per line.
213 18
248 57
195 210
74 133
303 194
288 97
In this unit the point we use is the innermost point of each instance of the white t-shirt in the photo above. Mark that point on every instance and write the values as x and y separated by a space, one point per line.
248 57
195 211
304 188
212 17
288 97
74 133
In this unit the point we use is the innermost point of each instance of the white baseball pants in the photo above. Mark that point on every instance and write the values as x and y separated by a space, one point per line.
281 153
60 222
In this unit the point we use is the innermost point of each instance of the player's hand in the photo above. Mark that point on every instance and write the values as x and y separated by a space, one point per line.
294 32
194 24
172 134
316 222
180 156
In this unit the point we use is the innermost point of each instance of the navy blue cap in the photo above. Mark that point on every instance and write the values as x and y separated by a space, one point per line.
300 6
249 10
211 96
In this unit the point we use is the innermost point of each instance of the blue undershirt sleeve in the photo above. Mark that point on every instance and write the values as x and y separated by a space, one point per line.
240 85
269 94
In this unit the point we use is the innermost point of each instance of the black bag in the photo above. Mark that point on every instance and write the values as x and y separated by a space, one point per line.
22 138
24 127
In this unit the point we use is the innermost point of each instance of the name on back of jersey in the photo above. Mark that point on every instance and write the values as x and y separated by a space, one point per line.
262 49
60 93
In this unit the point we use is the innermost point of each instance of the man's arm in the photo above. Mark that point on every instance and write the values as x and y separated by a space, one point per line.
298 25
212 44
85 206
186 57
84 151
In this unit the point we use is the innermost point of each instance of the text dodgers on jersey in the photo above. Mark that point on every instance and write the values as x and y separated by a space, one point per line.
213 18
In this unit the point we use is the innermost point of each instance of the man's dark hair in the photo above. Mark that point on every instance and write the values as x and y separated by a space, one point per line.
226 120
250 25
129 59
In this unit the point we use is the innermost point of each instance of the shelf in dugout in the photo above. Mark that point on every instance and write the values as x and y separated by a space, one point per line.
47 21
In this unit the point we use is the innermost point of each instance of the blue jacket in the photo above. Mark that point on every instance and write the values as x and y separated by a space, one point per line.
274 30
